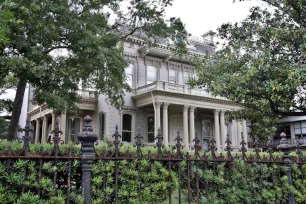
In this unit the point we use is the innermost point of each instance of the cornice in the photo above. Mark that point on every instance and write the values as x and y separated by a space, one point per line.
195 97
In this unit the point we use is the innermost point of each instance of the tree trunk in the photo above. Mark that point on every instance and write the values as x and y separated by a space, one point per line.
17 105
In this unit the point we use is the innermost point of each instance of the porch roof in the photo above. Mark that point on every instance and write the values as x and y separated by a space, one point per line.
206 102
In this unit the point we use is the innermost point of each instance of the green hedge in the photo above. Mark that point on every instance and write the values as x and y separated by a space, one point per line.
143 181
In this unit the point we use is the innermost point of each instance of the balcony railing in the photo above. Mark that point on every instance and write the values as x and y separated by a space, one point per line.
175 88
87 94
276 142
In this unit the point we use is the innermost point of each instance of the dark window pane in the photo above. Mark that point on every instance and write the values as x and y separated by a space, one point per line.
151 137
127 122
101 122
151 124
126 136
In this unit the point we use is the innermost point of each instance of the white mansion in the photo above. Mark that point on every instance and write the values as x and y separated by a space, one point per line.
161 98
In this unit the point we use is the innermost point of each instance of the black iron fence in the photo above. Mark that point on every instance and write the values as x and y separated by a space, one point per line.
111 174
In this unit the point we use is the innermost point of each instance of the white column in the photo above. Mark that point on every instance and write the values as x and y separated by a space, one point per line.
45 130
223 129
157 107
244 132
63 125
239 131
37 132
53 123
191 123
185 126
165 124
217 129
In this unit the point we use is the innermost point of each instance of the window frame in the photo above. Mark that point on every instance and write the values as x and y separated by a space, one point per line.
132 125
156 73
101 137
132 67
149 116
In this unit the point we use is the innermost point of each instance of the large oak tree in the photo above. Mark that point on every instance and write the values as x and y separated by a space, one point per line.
61 43
262 64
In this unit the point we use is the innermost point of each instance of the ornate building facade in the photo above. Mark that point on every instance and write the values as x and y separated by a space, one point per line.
161 98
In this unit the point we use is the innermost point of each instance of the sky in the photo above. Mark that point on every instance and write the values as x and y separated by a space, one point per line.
200 16
203 15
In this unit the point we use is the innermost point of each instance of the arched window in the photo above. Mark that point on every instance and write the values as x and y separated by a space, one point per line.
101 126
151 74
129 75
126 128
151 127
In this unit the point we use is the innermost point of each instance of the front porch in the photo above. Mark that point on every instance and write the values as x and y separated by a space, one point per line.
189 115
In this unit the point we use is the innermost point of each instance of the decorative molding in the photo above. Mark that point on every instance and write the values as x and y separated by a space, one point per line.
185 107
166 105
158 104
153 61
130 56
143 51
128 108
189 69
216 111
175 66
192 108
189 96
167 58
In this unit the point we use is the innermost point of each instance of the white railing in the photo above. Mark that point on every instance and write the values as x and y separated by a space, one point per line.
175 88
86 94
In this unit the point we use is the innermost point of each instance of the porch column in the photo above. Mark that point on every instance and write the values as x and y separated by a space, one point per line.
45 130
53 123
217 129
63 125
165 124
157 107
239 131
37 130
244 132
191 123
185 126
223 129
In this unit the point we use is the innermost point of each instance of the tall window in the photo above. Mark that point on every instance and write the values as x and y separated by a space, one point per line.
151 74
172 76
101 126
300 129
129 75
151 128
186 77
126 127
282 127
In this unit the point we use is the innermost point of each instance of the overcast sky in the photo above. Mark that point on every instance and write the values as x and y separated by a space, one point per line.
203 15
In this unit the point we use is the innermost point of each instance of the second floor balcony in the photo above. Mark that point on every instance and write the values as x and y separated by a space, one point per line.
174 88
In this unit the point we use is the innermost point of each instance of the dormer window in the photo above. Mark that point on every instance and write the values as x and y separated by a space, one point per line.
151 74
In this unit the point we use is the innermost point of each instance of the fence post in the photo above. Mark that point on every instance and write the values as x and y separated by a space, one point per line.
285 147
87 139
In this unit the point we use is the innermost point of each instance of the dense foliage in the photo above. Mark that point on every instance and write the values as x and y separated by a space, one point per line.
61 46
262 64
143 181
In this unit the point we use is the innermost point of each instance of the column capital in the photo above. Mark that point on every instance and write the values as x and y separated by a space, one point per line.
222 112
185 107
53 114
216 111
166 105
158 104
192 108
